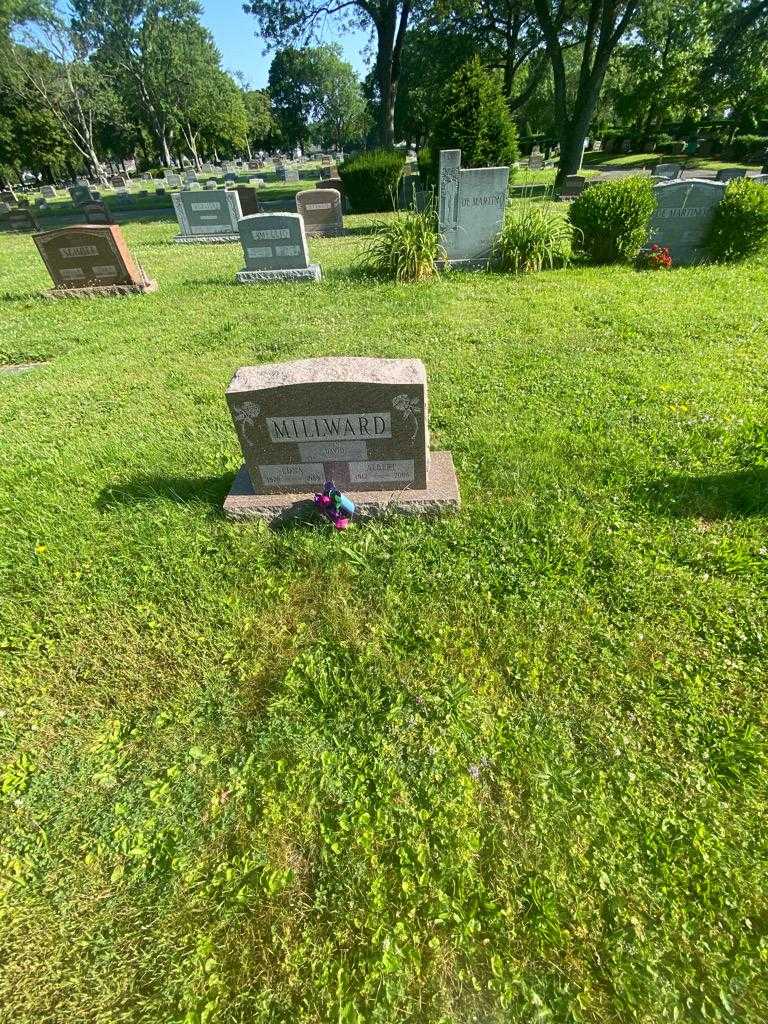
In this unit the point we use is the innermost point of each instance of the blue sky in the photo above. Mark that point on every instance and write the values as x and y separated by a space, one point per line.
241 50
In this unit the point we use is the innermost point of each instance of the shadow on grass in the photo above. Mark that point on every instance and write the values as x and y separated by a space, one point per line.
719 496
206 491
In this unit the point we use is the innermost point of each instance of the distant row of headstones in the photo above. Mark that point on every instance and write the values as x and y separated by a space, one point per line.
472 204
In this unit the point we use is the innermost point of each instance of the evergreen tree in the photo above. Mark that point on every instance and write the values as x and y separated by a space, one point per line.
475 119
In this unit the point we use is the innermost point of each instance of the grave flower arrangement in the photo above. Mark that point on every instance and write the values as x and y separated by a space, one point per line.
658 258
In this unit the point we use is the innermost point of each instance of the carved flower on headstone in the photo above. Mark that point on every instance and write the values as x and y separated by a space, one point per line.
410 409
247 413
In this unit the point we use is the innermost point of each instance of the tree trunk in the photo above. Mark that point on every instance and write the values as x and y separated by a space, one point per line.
390 34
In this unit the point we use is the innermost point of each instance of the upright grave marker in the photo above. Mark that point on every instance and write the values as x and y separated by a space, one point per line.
22 219
275 249
360 422
97 212
48 191
729 173
668 171
207 218
249 203
80 194
286 173
90 260
471 209
321 211
683 216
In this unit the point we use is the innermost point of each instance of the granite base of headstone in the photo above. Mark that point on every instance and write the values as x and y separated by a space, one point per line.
275 250
87 261
357 421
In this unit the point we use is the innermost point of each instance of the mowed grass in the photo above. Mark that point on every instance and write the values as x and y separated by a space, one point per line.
507 766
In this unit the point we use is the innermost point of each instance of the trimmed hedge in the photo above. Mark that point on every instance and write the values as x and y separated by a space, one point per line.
611 219
371 180
740 225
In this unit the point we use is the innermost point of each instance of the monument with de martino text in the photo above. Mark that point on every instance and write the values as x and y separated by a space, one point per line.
471 207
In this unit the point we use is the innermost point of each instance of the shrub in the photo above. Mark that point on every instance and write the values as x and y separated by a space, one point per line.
475 119
532 237
740 225
747 149
406 248
612 219
370 179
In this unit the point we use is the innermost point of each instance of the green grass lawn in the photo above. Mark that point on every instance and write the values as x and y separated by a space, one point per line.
507 766
626 161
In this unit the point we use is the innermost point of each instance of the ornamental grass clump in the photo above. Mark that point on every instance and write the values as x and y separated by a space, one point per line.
533 237
406 248
740 225
612 219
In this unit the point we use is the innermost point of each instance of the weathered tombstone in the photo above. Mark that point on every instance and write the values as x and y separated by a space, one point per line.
80 194
48 191
321 211
682 218
573 186
275 249
90 260
173 180
729 173
249 203
471 208
359 422
190 176
668 171
97 212
535 160
21 218
207 219
117 181
760 179
286 174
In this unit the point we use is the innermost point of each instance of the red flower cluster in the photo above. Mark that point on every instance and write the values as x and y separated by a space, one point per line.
659 258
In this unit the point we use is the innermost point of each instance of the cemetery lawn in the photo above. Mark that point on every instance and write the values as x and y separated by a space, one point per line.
508 766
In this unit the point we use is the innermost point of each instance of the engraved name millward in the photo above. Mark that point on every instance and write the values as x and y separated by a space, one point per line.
346 426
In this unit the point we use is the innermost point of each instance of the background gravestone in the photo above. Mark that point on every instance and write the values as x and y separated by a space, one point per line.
321 211
683 216
173 180
729 173
97 212
286 173
471 207
249 203
80 194
207 218
360 422
275 249
48 191
669 171
573 186
760 179
90 260
22 219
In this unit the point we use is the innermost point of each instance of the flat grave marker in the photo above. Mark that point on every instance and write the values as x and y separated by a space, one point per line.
360 422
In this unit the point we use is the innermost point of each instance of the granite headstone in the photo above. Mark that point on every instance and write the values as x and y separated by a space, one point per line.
471 207
730 173
90 260
321 211
358 421
683 216
207 218
275 249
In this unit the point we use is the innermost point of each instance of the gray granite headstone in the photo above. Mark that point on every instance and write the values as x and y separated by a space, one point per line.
359 422
471 206
206 217
211 183
275 249
173 180
117 181
729 173
683 217
668 171
80 194
321 210
48 191
286 174
760 179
